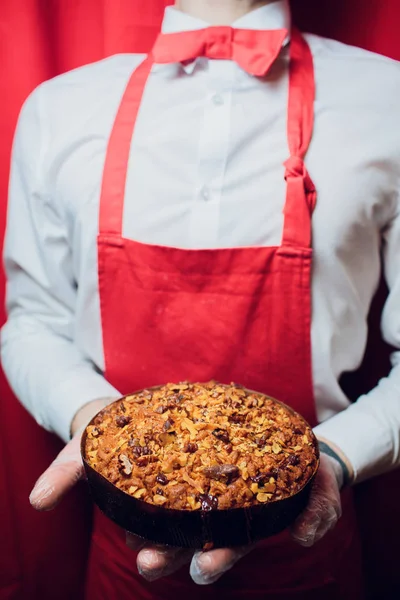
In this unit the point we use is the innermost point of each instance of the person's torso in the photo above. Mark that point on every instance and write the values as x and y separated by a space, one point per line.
206 171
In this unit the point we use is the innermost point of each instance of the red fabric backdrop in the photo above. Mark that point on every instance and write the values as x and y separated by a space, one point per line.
41 556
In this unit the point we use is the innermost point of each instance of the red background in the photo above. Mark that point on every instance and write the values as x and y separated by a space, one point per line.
40 555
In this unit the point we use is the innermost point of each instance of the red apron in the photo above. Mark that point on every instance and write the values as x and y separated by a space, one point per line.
237 314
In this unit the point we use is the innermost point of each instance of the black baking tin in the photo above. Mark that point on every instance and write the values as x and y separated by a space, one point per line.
193 529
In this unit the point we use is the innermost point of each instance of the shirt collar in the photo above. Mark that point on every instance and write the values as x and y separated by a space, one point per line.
272 16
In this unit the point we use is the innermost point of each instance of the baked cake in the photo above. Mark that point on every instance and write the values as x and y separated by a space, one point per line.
202 447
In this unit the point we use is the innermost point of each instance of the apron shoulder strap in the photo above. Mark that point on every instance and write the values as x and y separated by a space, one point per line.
301 193
118 150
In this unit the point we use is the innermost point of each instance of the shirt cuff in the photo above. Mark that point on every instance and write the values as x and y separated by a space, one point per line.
72 394
364 443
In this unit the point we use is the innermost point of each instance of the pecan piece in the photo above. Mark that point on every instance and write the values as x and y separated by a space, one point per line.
224 473
221 434
234 457
262 497
190 447
177 492
299 430
126 466
143 461
262 441
168 424
180 387
141 451
167 438
159 500
237 419
251 402
99 419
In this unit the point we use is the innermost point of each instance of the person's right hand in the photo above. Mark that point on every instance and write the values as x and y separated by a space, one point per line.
63 473
67 469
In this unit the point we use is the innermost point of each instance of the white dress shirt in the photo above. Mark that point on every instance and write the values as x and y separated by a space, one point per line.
206 171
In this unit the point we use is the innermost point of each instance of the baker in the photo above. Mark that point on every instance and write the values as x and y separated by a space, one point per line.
216 209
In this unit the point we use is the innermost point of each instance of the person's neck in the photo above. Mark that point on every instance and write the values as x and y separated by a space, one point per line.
219 12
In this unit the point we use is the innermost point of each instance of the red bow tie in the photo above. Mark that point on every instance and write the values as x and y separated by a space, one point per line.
253 50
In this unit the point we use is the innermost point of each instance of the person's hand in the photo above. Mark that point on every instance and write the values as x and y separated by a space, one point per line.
324 507
155 562
67 469
320 516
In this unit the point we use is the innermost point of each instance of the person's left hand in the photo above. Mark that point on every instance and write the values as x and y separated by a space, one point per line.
321 515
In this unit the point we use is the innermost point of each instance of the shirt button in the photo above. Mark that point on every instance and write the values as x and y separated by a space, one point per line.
205 193
218 100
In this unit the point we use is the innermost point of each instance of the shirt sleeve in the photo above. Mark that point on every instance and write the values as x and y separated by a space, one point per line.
47 371
368 432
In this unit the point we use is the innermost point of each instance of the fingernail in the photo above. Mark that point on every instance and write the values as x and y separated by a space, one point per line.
147 565
150 575
41 492
308 541
197 572
201 570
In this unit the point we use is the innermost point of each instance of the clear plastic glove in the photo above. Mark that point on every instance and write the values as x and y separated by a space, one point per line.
321 515
155 562
67 469
64 472
324 508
